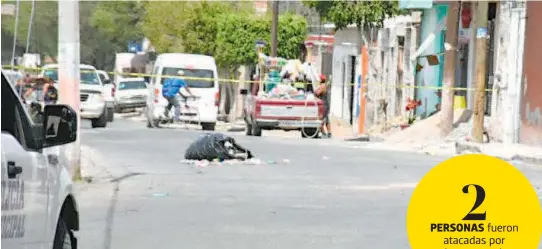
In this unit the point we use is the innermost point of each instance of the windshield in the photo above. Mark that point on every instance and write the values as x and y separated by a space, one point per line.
87 76
207 75
129 85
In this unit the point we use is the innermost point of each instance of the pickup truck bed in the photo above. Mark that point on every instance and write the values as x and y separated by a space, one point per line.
280 114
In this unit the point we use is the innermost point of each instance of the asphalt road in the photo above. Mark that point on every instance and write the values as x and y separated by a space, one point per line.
329 195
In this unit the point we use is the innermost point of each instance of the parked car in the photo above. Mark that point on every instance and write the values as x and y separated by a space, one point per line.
39 208
109 94
92 93
131 93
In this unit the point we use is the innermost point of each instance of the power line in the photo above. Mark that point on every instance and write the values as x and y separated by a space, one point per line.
15 33
30 26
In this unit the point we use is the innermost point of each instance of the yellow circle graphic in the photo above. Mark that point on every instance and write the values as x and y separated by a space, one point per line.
474 201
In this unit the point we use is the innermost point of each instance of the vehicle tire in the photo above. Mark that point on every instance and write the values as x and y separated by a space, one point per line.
311 132
208 126
101 121
64 238
256 131
248 129
110 114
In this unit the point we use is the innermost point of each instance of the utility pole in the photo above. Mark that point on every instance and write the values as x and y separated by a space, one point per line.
447 107
69 73
274 27
481 57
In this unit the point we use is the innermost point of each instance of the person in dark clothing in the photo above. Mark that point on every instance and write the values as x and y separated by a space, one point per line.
323 93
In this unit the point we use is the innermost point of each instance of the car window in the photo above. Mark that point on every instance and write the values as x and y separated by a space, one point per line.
102 77
15 120
87 76
130 85
195 78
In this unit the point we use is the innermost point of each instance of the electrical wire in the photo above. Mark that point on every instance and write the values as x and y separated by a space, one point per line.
30 26
15 33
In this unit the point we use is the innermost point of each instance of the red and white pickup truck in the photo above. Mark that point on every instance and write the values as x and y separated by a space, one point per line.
282 114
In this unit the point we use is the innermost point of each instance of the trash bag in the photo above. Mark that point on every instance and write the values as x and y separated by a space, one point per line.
216 146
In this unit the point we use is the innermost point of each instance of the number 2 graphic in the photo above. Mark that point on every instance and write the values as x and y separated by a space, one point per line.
480 197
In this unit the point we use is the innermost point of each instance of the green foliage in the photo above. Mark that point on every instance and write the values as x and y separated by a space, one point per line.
238 34
163 24
236 38
105 28
362 13
201 22
292 32
118 21
44 34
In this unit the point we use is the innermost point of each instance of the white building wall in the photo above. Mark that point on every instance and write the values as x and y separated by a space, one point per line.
504 123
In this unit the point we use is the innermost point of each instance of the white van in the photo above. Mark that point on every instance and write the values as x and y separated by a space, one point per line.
204 110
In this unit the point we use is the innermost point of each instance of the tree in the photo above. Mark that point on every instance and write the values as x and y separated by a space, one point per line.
106 29
44 36
119 21
292 32
201 21
163 23
362 13
237 36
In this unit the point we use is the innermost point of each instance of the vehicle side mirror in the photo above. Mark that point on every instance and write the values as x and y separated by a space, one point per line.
59 126
243 91
107 82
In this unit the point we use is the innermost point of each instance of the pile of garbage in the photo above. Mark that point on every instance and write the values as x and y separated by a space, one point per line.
216 146
284 91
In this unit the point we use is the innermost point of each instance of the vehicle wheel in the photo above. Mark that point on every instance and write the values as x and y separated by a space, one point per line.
248 129
64 238
310 133
101 121
208 126
256 131
110 114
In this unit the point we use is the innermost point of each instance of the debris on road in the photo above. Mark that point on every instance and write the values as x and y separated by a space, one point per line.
251 161
216 146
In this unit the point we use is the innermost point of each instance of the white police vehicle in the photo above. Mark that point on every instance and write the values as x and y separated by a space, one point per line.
38 204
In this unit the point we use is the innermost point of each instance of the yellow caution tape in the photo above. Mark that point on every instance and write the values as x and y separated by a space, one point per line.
141 75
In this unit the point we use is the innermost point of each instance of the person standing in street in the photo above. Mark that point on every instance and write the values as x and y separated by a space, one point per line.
323 93
170 89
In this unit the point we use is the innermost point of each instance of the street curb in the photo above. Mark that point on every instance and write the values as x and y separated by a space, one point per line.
466 147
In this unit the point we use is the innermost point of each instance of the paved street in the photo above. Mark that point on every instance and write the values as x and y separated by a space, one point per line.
329 195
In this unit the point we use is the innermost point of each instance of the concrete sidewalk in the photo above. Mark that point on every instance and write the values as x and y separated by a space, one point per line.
511 152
